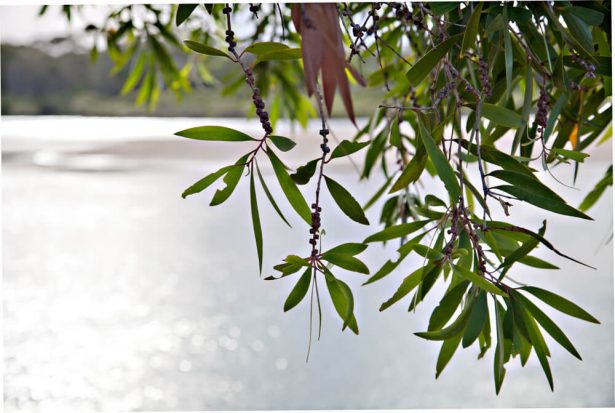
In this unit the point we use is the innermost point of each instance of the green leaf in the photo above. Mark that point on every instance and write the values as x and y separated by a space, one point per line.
214 133
412 171
204 49
536 262
471 31
454 328
574 155
343 301
347 262
183 12
537 340
269 196
260 48
421 69
346 202
524 249
560 304
598 190
548 324
589 16
446 352
408 284
501 115
544 202
205 182
294 196
497 157
443 167
135 75
440 8
282 143
447 306
425 251
396 231
498 359
231 179
391 265
395 136
304 173
281 54
351 248
508 62
256 223
299 291
346 148
478 280
476 320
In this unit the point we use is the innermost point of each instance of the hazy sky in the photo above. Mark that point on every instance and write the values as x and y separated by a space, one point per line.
21 24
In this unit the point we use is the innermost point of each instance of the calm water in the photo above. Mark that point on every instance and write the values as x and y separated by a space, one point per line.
120 295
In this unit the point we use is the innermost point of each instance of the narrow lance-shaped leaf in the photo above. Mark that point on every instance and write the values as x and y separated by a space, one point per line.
135 75
343 301
304 173
408 284
256 223
260 48
282 143
294 196
498 359
346 202
447 306
454 328
269 196
205 182
548 325
560 303
231 179
396 231
347 262
443 167
346 148
421 69
537 341
281 54
447 351
350 248
472 26
204 49
183 12
501 115
478 280
476 321
214 133
299 291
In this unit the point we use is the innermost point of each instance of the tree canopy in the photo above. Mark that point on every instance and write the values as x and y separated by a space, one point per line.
455 79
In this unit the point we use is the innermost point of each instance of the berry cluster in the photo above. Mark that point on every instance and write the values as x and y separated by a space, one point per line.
259 104
445 91
589 68
543 110
357 30
483 73
254 8
323 146
575 86
314 229
230 39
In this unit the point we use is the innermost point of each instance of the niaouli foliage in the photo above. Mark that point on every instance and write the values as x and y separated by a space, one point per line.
455 78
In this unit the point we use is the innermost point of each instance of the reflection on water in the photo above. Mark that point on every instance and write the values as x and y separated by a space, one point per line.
119 295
